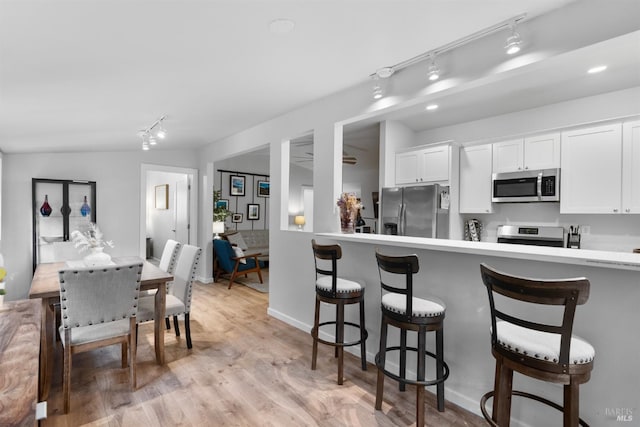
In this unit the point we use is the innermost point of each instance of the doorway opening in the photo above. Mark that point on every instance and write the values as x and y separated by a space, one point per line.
168 208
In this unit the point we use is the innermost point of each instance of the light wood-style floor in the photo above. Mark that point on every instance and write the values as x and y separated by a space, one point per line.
245 369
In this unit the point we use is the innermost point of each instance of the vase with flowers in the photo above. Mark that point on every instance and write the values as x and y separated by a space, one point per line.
93 241
349 206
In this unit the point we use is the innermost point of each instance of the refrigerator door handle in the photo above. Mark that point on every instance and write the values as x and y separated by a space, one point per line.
402 220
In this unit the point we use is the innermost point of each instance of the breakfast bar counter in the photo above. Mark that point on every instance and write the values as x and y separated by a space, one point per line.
450 270
606 259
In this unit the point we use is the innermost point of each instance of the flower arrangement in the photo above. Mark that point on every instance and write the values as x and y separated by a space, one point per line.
349 206
91 238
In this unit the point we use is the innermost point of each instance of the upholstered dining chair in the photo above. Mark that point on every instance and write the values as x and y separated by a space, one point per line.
169 256
179 294
98 308
234 264
167 263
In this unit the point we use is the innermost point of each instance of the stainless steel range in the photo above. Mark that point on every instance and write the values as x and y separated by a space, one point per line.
531 235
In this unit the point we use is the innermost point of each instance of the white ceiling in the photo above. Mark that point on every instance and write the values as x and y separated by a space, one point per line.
88 75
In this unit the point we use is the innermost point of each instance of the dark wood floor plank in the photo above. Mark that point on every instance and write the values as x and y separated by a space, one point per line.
245 369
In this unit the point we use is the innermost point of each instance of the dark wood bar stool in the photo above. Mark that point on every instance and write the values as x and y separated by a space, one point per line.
332 289
543 351
408 313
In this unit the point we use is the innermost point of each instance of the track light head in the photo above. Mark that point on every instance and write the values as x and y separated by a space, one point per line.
162 133
513 41
377 87
433 72
145 146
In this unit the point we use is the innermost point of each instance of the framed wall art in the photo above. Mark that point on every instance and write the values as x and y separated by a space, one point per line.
253 211
236 186
237 217
263 188
222 204
162 196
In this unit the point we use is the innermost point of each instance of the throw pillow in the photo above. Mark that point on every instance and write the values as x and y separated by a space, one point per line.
236 239
239 253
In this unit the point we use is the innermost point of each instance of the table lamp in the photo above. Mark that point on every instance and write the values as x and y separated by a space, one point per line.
299 221
218 227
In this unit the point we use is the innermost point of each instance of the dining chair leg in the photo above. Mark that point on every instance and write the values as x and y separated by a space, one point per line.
66 383
124 354
167 322
175 325
133 350
187 328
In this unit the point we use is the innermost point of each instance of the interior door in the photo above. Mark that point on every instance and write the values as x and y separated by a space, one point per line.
182 198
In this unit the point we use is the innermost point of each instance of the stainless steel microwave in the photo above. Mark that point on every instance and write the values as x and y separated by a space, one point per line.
526 186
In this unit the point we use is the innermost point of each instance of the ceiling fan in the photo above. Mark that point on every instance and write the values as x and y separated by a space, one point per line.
346 158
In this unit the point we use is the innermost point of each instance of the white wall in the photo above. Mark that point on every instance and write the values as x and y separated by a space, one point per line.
117 176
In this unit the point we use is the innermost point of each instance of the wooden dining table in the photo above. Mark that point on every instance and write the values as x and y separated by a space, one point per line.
46 285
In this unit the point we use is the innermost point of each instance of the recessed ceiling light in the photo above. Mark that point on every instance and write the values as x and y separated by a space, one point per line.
432 107
281 26
597 69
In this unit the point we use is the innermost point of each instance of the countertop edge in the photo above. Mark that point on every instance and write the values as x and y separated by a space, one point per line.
592 258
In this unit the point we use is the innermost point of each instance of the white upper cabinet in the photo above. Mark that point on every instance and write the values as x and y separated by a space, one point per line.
423 165
631 167
591 174
530 153
475 179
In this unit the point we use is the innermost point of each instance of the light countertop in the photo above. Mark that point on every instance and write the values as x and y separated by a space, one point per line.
592 258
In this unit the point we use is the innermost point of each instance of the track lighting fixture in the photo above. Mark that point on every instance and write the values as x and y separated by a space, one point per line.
433 72
513 41
148 136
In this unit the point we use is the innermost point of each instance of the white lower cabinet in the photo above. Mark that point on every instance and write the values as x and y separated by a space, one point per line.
591 172
475 179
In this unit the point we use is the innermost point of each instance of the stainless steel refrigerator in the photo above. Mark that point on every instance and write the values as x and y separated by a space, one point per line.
420 211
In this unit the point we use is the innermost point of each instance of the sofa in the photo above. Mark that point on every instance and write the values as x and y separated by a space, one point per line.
250 241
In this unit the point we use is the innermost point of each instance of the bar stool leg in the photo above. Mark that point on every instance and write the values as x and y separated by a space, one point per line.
340 341
502 394
315 332
363 343
571 403
403 358
420 376
440 367
381 360
335 349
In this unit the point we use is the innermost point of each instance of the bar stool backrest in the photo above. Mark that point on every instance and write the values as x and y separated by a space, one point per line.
560 292
389 267
326 262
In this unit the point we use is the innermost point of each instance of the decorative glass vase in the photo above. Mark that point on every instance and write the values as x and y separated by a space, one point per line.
347 222
85 209
45 209
97 257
